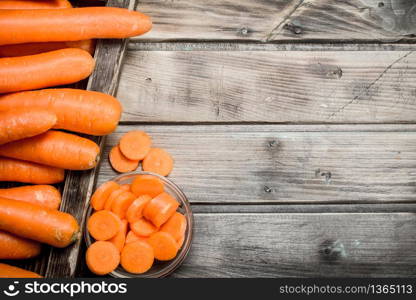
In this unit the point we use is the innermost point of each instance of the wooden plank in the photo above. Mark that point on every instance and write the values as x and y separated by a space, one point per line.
269 86
302 245
277 20
78 184
286 163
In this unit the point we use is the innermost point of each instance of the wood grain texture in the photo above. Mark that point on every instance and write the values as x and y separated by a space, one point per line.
79 184
269 86
286 163
302 245
278 20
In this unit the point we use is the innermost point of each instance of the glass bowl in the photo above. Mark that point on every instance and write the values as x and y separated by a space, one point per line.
159 268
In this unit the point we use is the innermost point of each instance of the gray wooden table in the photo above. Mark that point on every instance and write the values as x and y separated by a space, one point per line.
292 125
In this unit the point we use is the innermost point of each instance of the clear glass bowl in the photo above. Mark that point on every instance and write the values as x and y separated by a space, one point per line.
159 268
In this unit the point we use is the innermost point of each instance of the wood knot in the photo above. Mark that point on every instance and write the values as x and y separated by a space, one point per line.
293 28
332 251
244 31
148 79
267 189
272 144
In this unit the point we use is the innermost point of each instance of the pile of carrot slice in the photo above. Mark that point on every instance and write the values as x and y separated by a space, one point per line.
133 225
135 147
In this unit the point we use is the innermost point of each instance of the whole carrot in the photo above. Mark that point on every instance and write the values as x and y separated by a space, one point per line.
28 172
34 4
44 195
47 69
70 24
56 149
8 271
20 123
14 247
38 223
77 110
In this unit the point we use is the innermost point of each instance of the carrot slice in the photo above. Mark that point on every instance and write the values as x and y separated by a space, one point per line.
158 161
8 271
147 185
125 187
122 203
164 245
102 257
135 210
135 144
137 257
143 228
120 238
180 241
120 163
131 237
101 194
160 209
103 225
113 196
175 226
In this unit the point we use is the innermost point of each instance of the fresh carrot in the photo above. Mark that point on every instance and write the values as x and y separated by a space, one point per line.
24 171
101 195
70 24
47 69
34 4
113 196
20 123
180 241
158 161
135 210
147 185
55 149
103 225
8 271
44 195
175 226
122 203
125 187
82 111
102 257
143 227
137 257
135 145
120 238
120 163
160 209
164 245
132 237
14 247
38 223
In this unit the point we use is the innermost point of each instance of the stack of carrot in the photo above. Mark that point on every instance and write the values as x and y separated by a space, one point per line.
133 224
43 44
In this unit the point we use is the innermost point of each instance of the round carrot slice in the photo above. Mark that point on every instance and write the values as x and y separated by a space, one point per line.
135 145
135 210
160 209
158 161
120 238
102 257
120 163
175 226
164 245
125 187
180 241
122 203
103 225
137 257
132 237
143 228
101 195
113 196
147 185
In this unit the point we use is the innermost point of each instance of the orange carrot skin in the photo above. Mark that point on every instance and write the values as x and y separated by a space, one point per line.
38 223
102 193
8 271
82 111
20 123
102 257
137 257
160 209
175 226
34 4
43 195
56 149
28 172
120 238
70 24
14 247
47 69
